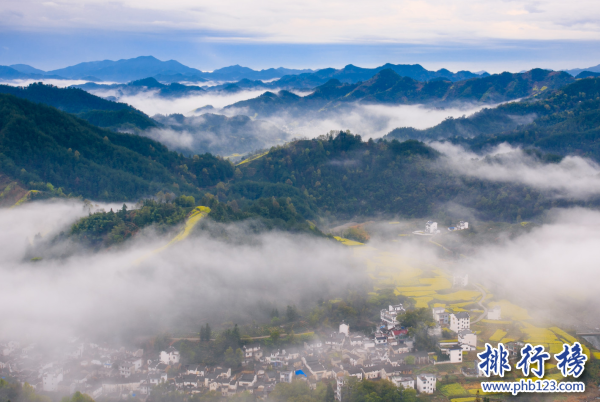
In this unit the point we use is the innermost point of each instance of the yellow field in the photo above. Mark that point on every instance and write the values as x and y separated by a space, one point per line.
422 302
195 216
498 335
460 295
255 157
596 354
496 321
348 242
451 390
511 311
568 338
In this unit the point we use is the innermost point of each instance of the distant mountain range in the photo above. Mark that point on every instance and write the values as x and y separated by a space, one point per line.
172 71
565 122
574 72
388 87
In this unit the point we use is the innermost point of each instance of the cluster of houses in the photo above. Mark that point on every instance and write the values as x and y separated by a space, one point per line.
431 228
100 371
461 226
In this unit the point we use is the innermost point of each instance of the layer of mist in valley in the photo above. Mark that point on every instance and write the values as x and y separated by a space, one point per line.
229 274
571 177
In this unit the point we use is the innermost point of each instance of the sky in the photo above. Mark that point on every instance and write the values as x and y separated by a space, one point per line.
491 35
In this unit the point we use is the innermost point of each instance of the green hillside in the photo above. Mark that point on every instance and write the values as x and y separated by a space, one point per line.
564 122
98 111
41 144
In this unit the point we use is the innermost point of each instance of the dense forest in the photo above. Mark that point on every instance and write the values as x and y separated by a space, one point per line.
41 144
295 186
346 177
564 122
98 111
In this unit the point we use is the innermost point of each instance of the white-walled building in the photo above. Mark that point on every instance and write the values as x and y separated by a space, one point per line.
426 383
495 313
431 227
51 379
467 339
460 321
286 376
455 353
344 329
404 382
389 316
440 315
170 356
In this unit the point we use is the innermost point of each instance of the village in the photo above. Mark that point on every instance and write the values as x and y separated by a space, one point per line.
388 354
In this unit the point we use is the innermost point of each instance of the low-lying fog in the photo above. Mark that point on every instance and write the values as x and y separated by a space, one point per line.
199 280
48 81
206 280
573 177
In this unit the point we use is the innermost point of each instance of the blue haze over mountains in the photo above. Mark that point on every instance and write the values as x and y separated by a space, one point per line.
173 71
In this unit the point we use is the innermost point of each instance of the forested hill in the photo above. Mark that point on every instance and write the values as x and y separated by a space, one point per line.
566 122
345 177
387 87
71 100
101 112
40 144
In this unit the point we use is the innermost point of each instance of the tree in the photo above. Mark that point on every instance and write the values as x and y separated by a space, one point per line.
275 336
205 333
291 313
329 395
234 359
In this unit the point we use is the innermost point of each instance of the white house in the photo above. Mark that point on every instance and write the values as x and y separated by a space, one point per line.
404 382
467 339
463 225
252 351
460 321
431 227
440 315
495 313
286 376
51 379
460 281
170 356
389 316
455 353
426 383
344 329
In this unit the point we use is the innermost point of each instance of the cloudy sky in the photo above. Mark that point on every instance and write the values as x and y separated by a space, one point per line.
494 35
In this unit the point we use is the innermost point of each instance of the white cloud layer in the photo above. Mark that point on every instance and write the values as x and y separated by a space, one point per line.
192 282
573 177
371 121
312 21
